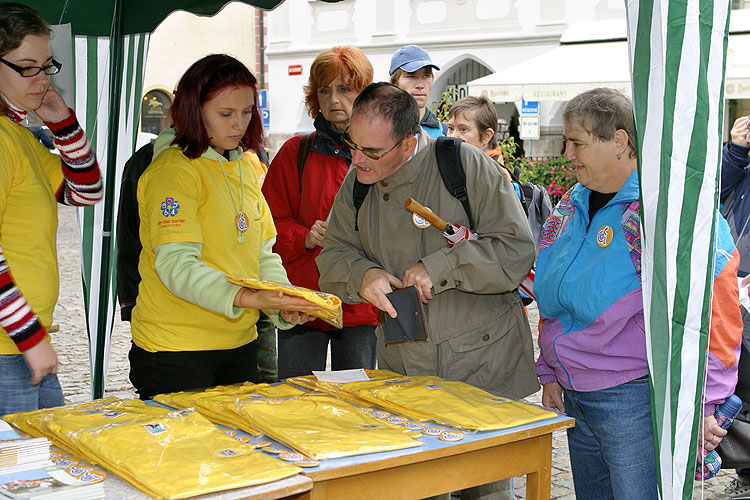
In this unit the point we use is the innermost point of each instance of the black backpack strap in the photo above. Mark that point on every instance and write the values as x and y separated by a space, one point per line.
448 155
305 145
359 193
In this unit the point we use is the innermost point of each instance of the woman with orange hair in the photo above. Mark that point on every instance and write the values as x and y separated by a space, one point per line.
300 199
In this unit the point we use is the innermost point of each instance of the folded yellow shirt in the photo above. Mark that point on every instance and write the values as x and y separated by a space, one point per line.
331 313
179 454
450 403
312 383
322 426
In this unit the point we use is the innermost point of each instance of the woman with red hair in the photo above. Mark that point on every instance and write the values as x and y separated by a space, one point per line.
203 217
300 201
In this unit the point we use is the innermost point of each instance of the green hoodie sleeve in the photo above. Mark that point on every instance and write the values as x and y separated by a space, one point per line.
180 268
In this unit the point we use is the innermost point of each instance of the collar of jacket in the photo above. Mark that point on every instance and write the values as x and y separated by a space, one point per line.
328 140
429 119
627 193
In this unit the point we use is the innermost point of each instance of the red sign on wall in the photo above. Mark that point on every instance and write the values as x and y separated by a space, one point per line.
295 69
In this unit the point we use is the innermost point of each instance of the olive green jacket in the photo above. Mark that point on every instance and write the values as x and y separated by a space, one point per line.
478 331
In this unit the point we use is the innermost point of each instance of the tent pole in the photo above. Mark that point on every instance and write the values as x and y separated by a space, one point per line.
115 75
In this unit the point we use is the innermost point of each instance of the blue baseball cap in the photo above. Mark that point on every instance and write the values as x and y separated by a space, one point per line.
410 58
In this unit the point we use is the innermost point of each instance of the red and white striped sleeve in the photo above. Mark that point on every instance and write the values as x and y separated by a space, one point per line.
16 316
83 182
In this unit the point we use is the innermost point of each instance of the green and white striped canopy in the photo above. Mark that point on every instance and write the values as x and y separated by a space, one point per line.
678 55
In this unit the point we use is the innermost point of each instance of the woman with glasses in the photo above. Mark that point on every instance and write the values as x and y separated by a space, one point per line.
32 182
302 181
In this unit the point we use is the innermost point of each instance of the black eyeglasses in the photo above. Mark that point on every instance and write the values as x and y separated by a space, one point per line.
52 68
366 151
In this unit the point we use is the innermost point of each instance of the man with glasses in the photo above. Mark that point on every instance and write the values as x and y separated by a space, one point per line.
477 330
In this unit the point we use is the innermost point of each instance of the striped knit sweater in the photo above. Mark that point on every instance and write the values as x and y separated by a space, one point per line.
82 187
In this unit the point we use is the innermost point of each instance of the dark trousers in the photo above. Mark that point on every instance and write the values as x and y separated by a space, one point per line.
303 349
161 372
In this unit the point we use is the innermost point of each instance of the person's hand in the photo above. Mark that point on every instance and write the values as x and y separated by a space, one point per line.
745 281
375 284
53 108
739 131
417 275
42 360
552 397
314 238
296 317
713 433
267 299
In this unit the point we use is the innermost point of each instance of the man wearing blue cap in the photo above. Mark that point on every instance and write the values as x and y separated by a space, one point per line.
411 70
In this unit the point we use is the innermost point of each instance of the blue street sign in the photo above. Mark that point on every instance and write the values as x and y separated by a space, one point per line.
266 114
262 98
529 107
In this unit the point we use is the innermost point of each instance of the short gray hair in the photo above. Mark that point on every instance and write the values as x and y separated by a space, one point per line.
601 112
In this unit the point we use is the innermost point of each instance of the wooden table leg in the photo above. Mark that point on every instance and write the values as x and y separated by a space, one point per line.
538 483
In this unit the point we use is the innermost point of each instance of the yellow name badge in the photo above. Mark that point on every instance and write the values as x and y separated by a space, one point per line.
420 221
604 236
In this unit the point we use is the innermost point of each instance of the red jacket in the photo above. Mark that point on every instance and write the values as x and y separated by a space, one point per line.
295 212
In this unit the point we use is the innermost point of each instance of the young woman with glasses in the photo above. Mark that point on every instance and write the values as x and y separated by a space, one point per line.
32 182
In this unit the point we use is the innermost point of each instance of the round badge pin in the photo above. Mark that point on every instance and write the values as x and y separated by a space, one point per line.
260 444
414 426
306 462
275 449
380 414
420 221
396 420
432 431
604 236
451 436
291 457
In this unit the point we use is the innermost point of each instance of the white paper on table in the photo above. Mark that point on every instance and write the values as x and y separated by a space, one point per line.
744 299
342 376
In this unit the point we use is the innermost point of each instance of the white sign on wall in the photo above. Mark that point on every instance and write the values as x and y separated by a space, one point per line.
529 127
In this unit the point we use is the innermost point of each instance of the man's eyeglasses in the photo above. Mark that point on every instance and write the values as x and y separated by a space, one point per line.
52 68
366 151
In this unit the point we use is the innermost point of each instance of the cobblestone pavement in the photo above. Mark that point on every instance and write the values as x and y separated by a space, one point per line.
72 349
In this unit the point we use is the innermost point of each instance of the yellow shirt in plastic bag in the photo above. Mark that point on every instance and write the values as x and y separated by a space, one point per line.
331 312
218 404
312 383
322 426
56 423
178 455
451 403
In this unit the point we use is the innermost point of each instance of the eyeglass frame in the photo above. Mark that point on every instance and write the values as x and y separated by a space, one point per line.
20 69
355 147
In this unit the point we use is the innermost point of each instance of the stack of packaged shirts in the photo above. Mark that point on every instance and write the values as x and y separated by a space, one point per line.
144 444
455 404
322 426
219 404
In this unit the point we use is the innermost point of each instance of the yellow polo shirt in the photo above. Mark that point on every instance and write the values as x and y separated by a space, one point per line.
29 177
188 201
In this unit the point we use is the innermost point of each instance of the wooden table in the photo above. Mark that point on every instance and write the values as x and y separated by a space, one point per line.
440 467
290 487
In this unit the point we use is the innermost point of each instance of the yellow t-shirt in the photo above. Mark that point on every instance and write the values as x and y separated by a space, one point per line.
29 177
183 200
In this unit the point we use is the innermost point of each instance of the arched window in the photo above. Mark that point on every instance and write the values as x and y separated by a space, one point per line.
155 112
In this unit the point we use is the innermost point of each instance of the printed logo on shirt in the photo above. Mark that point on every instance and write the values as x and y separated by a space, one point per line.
604 236
154 428
170 207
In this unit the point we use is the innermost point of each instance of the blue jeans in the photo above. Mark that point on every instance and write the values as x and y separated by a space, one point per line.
16 392
303 349
612 444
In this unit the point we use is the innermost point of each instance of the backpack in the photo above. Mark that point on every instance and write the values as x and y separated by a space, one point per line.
536 204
